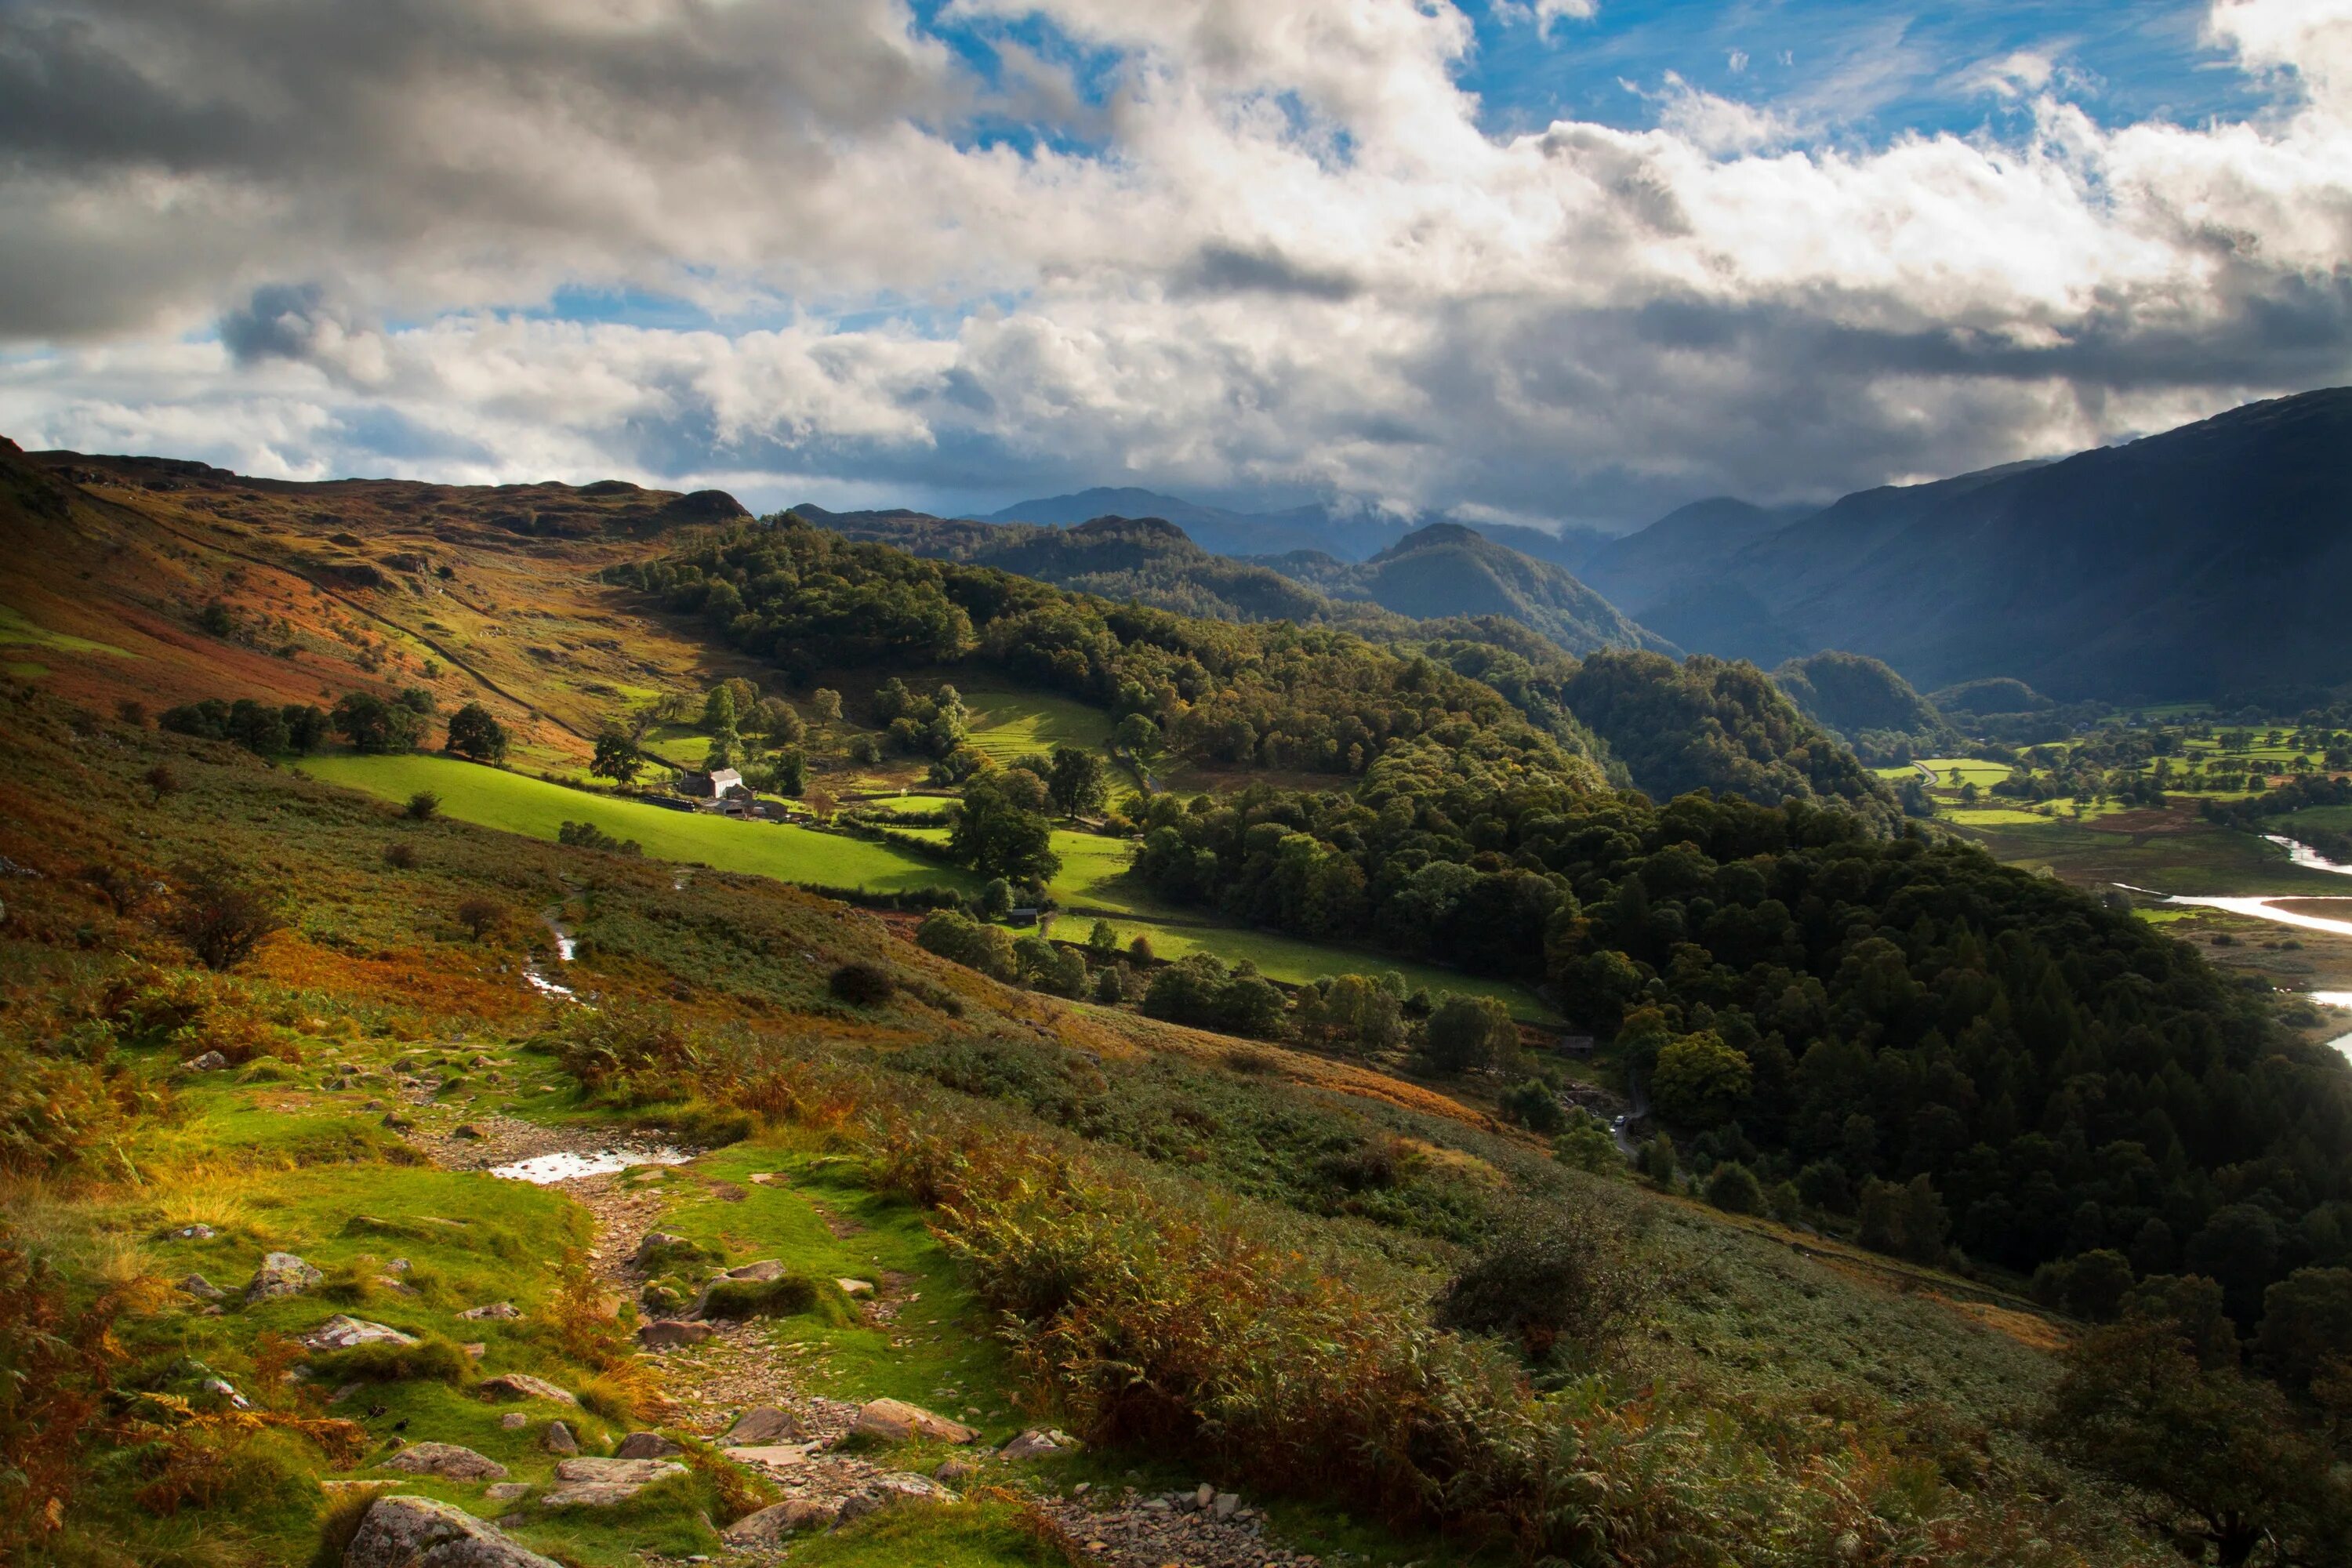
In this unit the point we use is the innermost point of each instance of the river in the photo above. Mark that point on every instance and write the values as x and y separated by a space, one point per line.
2265 907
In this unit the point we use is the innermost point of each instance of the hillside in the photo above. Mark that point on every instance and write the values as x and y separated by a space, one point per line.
1867 704
1446 570
470 592
1148 559
1914 1121
1350 536
2191 563
1001 1174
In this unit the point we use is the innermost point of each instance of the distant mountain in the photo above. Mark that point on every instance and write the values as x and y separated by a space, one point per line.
1446 569
2209 559
1350 537
1646 567
1147 559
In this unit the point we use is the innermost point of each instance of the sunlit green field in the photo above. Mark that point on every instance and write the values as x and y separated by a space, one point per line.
516 804
1006 724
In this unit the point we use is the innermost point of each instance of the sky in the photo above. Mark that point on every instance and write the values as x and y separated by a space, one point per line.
1547 261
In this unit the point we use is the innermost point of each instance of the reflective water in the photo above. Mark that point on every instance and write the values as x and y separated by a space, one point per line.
568 1165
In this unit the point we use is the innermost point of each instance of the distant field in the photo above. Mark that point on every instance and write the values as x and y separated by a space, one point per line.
516 804
1297 963
2187 857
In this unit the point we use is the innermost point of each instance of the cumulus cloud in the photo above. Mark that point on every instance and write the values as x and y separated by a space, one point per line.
1258 248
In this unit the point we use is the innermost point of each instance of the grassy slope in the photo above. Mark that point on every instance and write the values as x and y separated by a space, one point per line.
515 804
374 975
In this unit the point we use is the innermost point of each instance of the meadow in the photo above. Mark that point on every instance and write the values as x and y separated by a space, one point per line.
514 803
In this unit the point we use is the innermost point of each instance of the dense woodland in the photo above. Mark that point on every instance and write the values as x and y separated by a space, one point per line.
1278 696
1835 1006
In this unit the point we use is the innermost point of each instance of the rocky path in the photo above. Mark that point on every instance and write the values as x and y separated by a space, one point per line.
743 1385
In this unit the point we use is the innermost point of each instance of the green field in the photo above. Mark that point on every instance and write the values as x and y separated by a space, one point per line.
2197 859
1093 883
515 804
1005 723
1092 877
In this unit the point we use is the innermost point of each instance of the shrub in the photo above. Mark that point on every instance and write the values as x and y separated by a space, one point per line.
1565 1276
1587 1144
1470 1033
1733 1188
961 940
221 916
588 835
423 807
427 1361
788 1296
1534 1106
399 857
862 985
480 916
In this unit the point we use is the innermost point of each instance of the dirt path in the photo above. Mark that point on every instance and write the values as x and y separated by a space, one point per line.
751 1368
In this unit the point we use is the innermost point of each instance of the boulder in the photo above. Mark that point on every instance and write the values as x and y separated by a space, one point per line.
896 1421
664 1333
658 1246
281 1273
762 1423
770 1526
340 1334
421 1532
772 1455
198 1232
447 1460
559 1439
888 1491
202 1289
954 1472
211 1061
466 1131
502 1310
601 1483
1034 1444
758 1273
646 1446
513 1421
856 1287
521 1385
506 1491
1227 1504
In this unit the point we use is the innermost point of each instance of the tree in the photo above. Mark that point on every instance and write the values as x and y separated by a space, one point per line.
1138 736
1103 941
2238 1246
1733 1188
617 757
480 916
1532 1104
306 727
1585 1143
374 726
222 916
1698 1080
1352 1010
792 772
474 731
1470 1033
997 836
1907 1221
1075 781
2191 1305
995 900
1656 1161
779 721
2225 1454
826 702
423 807
2306 1324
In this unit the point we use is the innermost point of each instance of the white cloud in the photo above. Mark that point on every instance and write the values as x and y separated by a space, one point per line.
1262 246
